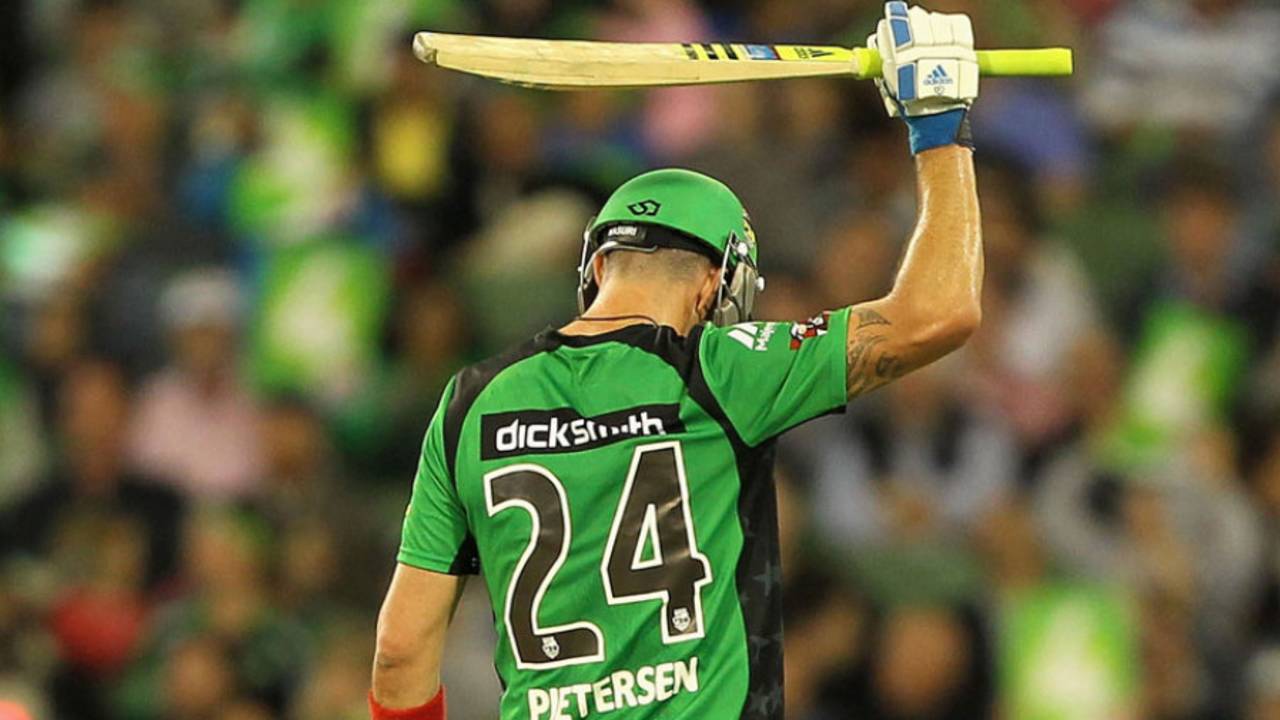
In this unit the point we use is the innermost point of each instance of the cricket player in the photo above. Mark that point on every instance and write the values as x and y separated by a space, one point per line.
612 479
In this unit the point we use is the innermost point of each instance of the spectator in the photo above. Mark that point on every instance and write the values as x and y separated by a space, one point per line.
1184 541
925 665
1210 264
99 618
1202 65
199 679
1038 313
929 467
324 538
826 631
298 482
384 430
860 250
225 624
197 424
806 180
56 337
674 121
1066 648
518 259
106 535
91 482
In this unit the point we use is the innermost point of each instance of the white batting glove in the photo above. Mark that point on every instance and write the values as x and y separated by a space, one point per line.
929 63
930 73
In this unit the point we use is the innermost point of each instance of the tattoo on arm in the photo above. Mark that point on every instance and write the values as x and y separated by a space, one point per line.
869 365
869 317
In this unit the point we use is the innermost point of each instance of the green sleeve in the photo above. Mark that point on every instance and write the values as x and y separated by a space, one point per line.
770 377
435 535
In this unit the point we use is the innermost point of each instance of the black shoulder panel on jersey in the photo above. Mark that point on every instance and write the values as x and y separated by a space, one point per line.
758 575
467 560
468 384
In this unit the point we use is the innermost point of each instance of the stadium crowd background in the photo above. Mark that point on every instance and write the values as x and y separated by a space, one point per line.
244 243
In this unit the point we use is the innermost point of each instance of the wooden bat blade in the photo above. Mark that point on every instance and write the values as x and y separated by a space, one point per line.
576 64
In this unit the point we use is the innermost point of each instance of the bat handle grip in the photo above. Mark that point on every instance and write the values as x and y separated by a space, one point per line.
1039 62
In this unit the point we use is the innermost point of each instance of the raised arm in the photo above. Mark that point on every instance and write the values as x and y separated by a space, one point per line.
935 304
411 630
931 79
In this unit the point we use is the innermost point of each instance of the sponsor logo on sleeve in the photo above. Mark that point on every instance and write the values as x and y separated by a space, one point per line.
754 336
812 328
535 432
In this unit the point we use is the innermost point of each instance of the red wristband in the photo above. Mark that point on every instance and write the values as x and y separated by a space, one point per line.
433 710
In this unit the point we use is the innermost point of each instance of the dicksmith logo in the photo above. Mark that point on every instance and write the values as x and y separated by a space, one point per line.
646 208
939 80
532 432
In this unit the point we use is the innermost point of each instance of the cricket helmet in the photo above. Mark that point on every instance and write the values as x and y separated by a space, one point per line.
680 209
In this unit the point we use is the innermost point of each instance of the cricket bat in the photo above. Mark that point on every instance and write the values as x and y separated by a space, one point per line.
580 64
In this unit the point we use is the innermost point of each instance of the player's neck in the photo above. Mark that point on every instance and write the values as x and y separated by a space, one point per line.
623 305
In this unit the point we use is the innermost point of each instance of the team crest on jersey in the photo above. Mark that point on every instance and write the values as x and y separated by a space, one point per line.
681 619
812 328
550 647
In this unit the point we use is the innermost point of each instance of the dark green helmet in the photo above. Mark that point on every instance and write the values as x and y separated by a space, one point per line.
698 213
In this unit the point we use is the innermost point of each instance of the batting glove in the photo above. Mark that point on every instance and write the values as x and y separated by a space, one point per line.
930 76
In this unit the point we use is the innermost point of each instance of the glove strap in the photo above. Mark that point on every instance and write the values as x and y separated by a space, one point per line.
433 710
932 131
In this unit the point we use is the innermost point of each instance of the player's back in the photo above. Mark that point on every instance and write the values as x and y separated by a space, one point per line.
615 491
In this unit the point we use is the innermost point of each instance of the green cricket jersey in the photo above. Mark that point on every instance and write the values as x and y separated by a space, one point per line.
616 492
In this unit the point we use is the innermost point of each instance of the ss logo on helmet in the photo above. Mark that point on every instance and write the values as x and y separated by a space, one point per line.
647 208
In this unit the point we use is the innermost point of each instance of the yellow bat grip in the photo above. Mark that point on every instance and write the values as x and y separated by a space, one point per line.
1041 62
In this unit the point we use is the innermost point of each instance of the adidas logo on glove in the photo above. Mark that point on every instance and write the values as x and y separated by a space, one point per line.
939 80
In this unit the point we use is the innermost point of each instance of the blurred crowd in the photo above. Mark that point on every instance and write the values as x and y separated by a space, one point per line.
244 243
